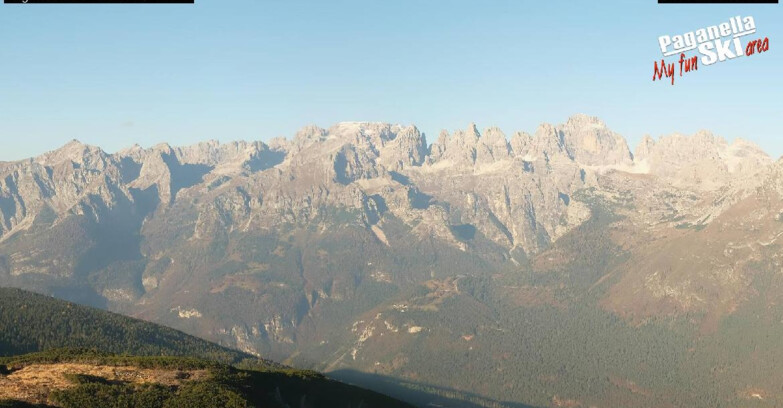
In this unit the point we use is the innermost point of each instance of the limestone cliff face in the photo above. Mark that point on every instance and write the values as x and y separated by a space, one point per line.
702 161
588 141
516 191
295 222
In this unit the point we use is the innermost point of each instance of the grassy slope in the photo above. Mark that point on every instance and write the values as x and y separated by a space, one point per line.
225 385
31 322
56 331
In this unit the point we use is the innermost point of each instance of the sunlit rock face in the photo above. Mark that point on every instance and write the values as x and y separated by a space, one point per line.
334 235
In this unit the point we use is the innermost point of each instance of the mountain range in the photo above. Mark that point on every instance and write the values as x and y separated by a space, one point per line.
558 268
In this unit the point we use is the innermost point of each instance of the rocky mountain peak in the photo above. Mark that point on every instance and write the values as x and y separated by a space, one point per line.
582 120
702 160
134 149
644 148
74 151
162 148
520 143
307 136
588 141
473 131
459 148
438 148
409 148
492 146
545 144
363 132
583 139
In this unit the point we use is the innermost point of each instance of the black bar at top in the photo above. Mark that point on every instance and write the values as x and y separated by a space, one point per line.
717 1
99 1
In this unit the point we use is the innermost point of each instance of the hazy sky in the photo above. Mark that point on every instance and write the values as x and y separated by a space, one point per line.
114 75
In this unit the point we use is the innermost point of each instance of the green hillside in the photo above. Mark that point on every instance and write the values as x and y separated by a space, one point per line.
71 378
30 322
86 348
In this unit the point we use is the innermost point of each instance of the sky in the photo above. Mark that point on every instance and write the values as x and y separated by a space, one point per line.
115 75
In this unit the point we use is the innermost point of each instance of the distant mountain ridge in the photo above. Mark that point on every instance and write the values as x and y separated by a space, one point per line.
359 246
78 177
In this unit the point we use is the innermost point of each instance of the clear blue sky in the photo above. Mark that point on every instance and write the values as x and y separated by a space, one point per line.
114 75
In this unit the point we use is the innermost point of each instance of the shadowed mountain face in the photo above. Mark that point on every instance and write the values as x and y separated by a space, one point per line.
556 268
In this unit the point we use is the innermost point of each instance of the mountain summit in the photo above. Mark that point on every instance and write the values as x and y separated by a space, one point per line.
362 246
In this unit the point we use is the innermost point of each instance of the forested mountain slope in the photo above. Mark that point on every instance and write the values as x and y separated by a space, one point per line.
156 366
30 322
